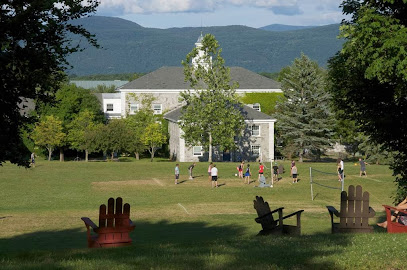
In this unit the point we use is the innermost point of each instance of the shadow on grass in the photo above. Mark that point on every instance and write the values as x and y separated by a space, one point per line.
165 245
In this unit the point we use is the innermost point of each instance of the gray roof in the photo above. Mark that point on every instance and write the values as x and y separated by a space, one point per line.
248 113
173 78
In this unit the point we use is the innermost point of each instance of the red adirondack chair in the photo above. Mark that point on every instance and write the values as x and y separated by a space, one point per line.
394 226
114 226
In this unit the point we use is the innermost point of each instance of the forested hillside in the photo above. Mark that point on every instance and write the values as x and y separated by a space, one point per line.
128 47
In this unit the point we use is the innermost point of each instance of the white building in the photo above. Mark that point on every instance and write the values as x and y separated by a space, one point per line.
166 84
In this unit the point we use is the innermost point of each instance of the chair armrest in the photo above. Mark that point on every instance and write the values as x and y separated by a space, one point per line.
293 214
332 211
132 225
372 212
268 214
276 210
89 223
394 208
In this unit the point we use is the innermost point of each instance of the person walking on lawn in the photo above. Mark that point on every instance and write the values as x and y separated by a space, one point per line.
214 174
190 168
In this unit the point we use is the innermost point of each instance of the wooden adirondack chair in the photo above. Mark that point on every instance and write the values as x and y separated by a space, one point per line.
114 226
272 226
354 212
394 226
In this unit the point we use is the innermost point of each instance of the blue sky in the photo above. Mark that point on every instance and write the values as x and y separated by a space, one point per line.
195 13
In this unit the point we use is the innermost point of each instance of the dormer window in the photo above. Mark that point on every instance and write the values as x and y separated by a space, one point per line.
256 106
158 108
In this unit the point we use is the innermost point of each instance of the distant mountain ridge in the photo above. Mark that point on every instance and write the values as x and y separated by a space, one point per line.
128 47
283 27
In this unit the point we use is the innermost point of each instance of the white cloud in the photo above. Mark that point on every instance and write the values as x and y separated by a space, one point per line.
174 6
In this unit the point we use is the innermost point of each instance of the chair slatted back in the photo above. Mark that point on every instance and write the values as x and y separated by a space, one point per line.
115 216
262 209
354 211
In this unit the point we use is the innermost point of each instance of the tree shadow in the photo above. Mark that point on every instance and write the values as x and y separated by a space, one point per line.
181 245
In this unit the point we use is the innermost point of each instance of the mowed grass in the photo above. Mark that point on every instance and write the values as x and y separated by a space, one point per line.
185 226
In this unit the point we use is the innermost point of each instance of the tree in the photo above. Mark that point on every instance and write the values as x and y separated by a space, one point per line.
80 133
33 47
153 137
369 76
48 133
70 101
113 137
212 115
137 122
304 117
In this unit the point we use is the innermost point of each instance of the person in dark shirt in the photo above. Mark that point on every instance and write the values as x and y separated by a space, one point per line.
190 168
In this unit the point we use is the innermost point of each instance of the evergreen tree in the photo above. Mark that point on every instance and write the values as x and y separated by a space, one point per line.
212 115
304 118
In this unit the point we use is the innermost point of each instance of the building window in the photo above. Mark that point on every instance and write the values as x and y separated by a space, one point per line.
197 150
133 108
254 130
158 108
256 106
255 150
109 107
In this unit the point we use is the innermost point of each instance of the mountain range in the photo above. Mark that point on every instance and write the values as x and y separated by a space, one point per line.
128 47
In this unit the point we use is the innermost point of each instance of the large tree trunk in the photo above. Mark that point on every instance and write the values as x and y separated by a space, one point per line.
152 154
210 148
300 156
137 154
112 156
61 154
49 153
86 155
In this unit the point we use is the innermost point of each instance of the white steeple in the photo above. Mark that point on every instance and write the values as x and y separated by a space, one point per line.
199 58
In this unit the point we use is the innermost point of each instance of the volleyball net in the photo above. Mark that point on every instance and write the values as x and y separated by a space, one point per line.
325 180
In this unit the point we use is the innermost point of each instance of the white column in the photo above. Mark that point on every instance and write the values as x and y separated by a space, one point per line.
181 146
124 103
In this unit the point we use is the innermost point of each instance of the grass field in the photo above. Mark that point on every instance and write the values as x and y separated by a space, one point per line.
185 226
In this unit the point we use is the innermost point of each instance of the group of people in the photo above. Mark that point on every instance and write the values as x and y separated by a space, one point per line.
212 172
340 168
247 174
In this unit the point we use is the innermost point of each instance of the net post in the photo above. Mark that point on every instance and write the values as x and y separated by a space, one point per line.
310 177
343 180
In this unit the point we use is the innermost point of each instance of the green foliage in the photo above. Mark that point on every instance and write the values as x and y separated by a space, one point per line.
137 121
212 115
101 88
369 76
153 137
70 101
304 116
373 152
113 137
34 45
48 133
81 133
267 101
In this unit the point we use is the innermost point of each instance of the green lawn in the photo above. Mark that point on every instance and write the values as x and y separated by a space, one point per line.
185 226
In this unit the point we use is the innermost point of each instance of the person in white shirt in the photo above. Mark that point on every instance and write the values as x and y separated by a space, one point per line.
214 174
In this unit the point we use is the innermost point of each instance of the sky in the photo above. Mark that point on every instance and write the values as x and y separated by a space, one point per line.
196 13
